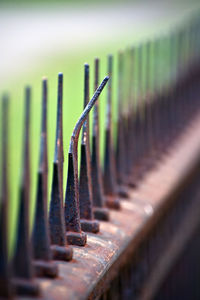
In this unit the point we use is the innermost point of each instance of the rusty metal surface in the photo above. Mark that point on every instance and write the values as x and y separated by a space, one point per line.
176 246
156 151
99 209
109 178
88 223
79 278
72 206
59 248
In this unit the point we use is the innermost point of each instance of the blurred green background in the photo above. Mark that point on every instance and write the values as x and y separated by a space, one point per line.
70 60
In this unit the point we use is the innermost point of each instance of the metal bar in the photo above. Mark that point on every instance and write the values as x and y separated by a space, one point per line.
72 214
24 282
6 290
44 266
88 223
100 211
121 138
110 182
60 249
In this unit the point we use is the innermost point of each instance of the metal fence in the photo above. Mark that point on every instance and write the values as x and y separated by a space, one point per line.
112 235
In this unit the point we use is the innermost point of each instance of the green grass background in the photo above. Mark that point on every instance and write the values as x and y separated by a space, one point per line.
71 64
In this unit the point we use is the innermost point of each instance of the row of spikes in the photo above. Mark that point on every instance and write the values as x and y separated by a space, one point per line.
84 202
53 244
33 255
154 118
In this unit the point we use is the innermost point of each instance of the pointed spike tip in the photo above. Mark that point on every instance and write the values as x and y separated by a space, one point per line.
77 128
27 87
106 78
60 83
110 63
5 97
44 78
86 71
60 78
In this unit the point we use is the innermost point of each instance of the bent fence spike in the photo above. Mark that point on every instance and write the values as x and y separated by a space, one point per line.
6 288
41 240
72 213
100 211
110 184
88 223
60 249
22 263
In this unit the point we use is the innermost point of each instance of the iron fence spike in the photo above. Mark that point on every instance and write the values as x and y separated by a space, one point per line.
41 239
6 287
60 249
72 213
121 139
100 211
22 263
110 184
88 223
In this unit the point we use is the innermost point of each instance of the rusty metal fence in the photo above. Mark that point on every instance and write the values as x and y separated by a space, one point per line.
129 229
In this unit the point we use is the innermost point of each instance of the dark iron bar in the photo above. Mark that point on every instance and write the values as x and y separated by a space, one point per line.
88 223
72 213
23 269
44 266
6 289
59 247
110 181
100 211
121 136
129 130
